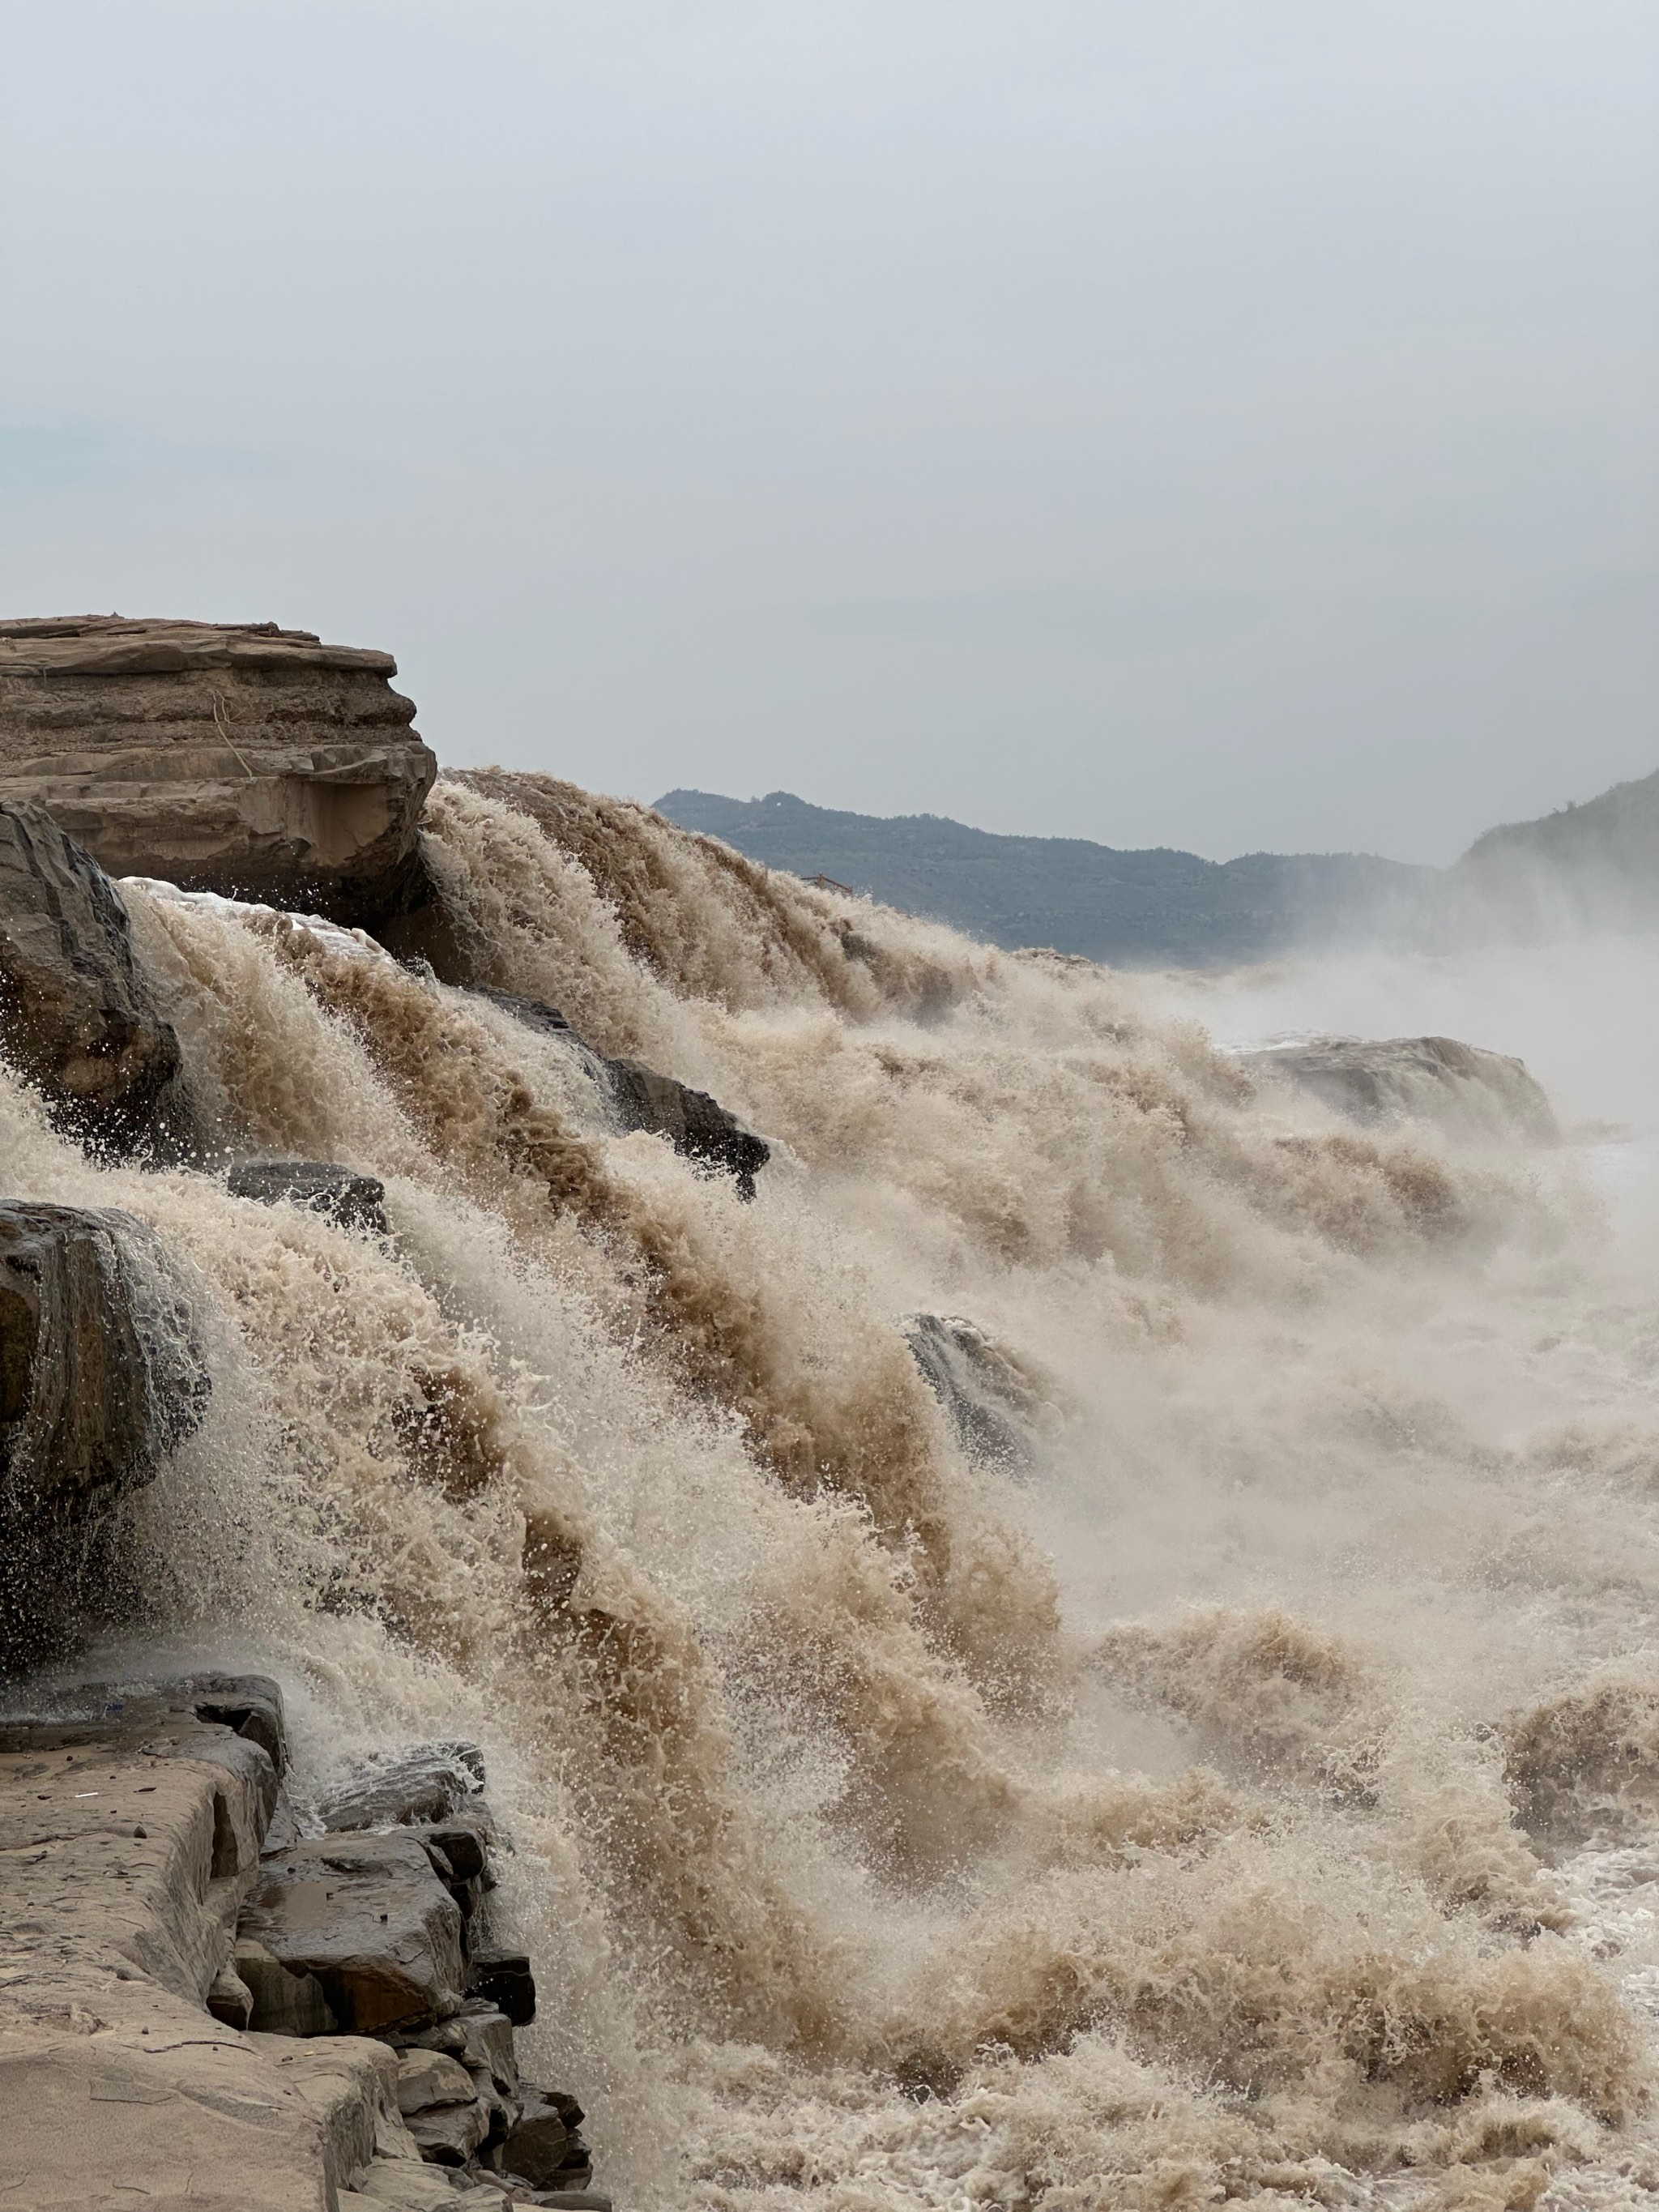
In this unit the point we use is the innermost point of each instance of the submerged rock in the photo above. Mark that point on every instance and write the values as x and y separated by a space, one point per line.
235 758
356 1201
77 1014
1460 1087
991 1400
697 1126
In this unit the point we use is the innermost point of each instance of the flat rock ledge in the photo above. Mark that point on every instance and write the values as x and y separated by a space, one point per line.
198 2002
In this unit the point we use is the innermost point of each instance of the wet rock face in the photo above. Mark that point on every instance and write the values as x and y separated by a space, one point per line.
101 1376
428 1782
234 757
101 1372
1461 1088
76 1017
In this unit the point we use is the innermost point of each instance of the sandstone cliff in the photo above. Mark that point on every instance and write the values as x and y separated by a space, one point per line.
238 758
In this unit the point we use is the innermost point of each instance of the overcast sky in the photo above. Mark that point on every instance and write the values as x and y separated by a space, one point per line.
1227 424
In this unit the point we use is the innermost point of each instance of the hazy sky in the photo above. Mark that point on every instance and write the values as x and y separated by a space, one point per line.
1226 423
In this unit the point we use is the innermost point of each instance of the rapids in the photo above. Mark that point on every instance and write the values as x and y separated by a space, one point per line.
1257 1796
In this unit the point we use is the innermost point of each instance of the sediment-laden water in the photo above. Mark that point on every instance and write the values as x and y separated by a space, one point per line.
1250 1788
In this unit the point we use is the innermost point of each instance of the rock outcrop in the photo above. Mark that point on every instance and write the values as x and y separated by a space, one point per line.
1461 1088
101 1375
146 2023
76 1015
130 1829
235 758
698 1127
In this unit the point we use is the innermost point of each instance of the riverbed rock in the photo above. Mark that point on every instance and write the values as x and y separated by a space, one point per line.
366 1915
102 1374
77 1016
350 2083
356 1201
1461 1088
420 2188
229 757
697 1126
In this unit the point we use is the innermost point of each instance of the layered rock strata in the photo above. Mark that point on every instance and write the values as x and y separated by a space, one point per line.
197 2002
235 758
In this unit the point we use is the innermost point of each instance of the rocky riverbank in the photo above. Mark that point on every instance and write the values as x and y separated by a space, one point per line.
208 1993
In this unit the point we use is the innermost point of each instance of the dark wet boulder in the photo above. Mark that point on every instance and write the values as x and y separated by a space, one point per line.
102 1374
545 2148
1461 1088
698 1127
101 1371
367 1917
77 1016
534 1014
356 1201
992 1401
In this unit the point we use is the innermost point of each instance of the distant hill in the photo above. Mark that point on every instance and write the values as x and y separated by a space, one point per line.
1594 864
1132 908
1597 864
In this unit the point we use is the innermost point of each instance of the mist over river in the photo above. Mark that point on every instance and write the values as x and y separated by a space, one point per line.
1250 1789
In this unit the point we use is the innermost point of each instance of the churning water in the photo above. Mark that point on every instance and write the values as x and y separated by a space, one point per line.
1252 1791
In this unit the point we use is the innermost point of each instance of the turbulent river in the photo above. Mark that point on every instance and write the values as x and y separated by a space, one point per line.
1253 1792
